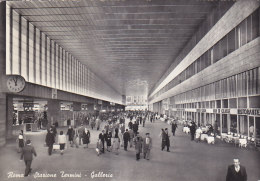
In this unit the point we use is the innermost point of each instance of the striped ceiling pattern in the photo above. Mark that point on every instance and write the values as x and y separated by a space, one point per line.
127 43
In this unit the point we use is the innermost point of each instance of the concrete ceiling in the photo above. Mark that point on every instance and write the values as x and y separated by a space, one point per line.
128 43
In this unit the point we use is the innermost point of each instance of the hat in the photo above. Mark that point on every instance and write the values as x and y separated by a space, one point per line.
28 142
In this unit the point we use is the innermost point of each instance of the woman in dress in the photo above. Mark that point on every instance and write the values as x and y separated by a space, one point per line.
116 143
109 137
86 138
70 134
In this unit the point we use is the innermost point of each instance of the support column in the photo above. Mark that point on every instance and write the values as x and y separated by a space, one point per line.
9 116
53 112
3 106
90 108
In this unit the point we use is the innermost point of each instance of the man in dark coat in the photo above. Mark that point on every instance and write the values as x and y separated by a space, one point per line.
126 138
167 141
130 125
27 155
50 140
174 126
135 128
192 130
102 137
236 172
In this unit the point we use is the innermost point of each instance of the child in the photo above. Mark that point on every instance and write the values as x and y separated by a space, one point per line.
62 142
99 147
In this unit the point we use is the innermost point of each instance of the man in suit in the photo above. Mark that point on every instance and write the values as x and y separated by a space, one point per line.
192 130
174 126
147 146
236 172
50 140
126 138
81 130
27 155
135 128
167 139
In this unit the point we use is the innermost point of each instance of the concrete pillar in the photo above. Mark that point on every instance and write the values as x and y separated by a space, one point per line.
90 108
76 106
3 107
9 116
53 112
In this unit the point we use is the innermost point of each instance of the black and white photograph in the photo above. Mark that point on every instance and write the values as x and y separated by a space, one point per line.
130 90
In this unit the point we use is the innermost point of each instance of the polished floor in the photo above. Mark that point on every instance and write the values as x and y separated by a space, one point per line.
186 161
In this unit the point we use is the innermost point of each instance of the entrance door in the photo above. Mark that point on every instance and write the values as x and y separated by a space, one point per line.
233 123
251 126
224 123
243 127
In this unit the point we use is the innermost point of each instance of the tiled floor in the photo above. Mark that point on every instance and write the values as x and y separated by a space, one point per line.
187 161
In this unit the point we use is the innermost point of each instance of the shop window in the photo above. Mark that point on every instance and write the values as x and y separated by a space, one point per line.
257 127
255 24
254 102
253 79
233 123
249 29
243 33
224 123
225 103
242 84
203 61
243 127
251 126
216 52
231 41
223 47
242 102
224 87
218 103
207 104
212 104
217 89
232 92
233 103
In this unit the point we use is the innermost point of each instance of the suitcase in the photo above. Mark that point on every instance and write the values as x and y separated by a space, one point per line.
56 147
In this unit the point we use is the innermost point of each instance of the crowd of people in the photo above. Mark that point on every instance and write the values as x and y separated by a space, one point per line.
115 133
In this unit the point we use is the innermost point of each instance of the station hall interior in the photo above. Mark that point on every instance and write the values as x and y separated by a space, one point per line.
182 60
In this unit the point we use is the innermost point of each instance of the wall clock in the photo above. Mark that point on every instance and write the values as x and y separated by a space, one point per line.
15 83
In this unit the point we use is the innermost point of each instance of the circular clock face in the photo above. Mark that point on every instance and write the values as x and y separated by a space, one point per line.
15 83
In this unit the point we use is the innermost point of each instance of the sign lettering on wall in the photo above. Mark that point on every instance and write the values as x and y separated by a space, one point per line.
249 111
223 111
